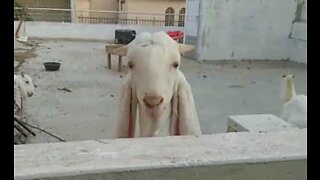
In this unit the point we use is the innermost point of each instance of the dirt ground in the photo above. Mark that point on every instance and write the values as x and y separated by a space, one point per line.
89 112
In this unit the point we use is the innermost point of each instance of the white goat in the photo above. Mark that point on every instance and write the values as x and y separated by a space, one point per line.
23 87
294 106
157 88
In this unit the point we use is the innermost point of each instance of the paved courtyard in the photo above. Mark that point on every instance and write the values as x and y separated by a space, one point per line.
89 112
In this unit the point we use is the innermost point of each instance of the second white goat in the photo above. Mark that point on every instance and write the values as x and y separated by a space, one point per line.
23 87
294 108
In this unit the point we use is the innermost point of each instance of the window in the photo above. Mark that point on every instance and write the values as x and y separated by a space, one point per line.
181 16
169 17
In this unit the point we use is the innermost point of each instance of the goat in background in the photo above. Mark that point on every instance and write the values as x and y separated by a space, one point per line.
294 108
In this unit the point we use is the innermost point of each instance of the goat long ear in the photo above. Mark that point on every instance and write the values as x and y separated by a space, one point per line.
184 116
122 51
127 111
185 48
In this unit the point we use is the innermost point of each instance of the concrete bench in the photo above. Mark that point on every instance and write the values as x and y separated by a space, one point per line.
233 156
257 123
109 51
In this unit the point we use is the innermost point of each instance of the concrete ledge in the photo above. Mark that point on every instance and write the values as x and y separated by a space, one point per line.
257 123
243 155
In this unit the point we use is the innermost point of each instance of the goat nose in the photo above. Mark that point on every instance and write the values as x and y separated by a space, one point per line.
30 94
152 101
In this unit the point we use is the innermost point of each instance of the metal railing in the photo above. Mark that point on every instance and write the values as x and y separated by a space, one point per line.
136 21
98 17
42 14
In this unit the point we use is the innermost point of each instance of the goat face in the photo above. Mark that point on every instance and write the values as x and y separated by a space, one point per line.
26 85
154 61
158 86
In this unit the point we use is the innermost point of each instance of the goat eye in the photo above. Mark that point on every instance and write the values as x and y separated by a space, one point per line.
175 64
130 64
27 82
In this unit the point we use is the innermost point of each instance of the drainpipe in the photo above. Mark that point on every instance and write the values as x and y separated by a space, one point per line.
185 24
73 15
199 31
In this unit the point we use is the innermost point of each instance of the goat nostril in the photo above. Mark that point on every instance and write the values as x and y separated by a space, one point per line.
147 104
161 100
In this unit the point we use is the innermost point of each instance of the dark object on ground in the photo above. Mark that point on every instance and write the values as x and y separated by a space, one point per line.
22 125
51 66
64 89
124 36
19 124
21 131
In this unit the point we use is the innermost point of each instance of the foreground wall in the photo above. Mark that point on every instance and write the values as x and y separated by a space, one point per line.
103 32
233 156
245 29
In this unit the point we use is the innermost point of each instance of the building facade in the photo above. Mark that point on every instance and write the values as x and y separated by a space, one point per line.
168 12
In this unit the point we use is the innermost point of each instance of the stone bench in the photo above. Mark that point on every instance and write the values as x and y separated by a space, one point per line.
257 123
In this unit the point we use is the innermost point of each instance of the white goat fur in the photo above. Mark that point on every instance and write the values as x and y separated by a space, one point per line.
294 106
153 56
23 87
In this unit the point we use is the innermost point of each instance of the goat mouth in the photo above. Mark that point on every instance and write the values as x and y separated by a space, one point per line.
154 112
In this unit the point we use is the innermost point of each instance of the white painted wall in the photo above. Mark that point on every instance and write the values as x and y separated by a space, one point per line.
192 26
246 29
298 51
298 42
15 26
22 32
84 31
192 17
